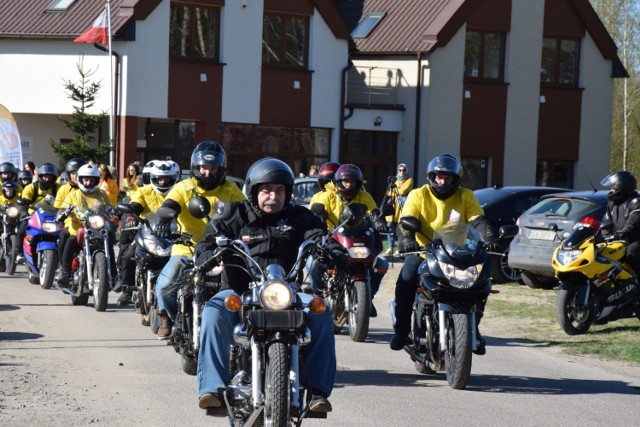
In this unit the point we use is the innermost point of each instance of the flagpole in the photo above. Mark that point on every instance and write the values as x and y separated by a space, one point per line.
111 86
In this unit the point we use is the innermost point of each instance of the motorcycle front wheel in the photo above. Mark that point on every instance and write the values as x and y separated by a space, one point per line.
276 405
100 285
48 264
573 317
359 307
458 353
12 254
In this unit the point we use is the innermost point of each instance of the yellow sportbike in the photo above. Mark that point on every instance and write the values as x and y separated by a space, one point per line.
597 285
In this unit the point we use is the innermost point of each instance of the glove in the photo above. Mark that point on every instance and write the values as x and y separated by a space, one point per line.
381 226
324 258
493 247
130 222
163 230
620 235
409 246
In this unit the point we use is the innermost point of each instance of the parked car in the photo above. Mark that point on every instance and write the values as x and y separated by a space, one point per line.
545 225
503 206
303 190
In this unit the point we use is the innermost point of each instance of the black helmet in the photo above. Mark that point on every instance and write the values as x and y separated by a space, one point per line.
348 171
448 165
9 187
326 173
8 167
268 171
74 164
47 169
25 175
621 185
209 153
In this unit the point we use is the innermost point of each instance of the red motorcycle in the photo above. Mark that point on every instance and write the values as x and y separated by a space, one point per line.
348 293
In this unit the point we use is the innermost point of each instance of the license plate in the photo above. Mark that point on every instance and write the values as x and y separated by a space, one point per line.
542 234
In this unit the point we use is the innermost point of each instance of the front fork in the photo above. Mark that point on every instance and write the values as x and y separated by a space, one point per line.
442 317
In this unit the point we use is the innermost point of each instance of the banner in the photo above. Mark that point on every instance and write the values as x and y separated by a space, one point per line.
10 147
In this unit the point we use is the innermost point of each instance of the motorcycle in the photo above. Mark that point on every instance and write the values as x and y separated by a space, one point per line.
40 244
265 361
597 285
12 215
349 292
151 255
91 272
454 281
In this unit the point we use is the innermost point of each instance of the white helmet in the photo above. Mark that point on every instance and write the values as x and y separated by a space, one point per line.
167 169
146 172
89 171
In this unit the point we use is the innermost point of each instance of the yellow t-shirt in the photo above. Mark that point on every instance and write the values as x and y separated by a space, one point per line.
184 191
334 203
4 200
62 194
403 188
95 201
111 190
432 212
148 199
130 188
29 190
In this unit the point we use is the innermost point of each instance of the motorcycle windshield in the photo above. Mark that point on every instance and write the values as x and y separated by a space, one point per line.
579 235
458 238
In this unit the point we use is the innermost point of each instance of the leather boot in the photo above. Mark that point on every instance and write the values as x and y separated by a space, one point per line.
164 331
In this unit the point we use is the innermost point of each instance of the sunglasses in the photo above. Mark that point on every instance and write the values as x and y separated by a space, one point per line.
402 170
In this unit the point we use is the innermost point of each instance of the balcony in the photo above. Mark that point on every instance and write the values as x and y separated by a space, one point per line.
373 87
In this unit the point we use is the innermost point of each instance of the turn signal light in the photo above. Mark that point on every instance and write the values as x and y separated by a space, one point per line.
233 303
317 305
495 291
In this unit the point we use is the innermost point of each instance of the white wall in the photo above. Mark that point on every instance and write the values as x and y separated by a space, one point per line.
39 128
595 123
524 56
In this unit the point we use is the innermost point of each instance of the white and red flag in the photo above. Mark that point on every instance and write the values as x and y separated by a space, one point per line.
98 33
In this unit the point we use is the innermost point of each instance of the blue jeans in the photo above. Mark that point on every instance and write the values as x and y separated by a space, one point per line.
315 274
318 367
166 291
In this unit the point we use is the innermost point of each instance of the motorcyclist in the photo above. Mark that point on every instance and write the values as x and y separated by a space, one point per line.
348 181
208 170
440 201
8 172
269 184
325 181
45 185
71 168
148 198
86 196
25 177
623 210
10 193
146 172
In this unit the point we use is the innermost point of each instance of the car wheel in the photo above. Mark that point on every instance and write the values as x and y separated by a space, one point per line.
500 270
536 281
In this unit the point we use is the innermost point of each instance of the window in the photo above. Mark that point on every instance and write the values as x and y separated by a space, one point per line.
60 5
484 56
560 61
285 40
367 24
554 174
476 172
193 33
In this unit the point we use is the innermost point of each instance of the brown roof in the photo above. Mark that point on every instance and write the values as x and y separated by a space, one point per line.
29 19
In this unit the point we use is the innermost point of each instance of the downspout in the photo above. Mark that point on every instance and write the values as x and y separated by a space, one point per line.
116 130
416 143
343 98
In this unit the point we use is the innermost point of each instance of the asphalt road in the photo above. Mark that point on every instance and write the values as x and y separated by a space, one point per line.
62 365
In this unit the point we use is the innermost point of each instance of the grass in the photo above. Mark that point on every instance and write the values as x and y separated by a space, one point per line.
520 312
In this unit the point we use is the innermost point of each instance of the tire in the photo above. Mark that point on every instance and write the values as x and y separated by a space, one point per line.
3 264
48 265
100 284
33 279
500 270
276 384
536 281
359 307
458 354
81 300
573 319
154 320
189 365
10 258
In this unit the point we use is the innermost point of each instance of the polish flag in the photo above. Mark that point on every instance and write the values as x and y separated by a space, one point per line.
98 33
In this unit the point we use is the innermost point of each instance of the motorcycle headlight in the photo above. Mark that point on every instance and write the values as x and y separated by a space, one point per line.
276 296
458 278
567 257
13 212
96 222
51 227
359 252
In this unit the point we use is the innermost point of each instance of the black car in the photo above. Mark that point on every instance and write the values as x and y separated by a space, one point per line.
503 206
543 227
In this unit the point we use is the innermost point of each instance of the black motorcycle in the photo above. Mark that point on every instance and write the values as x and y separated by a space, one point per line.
454 283
12 214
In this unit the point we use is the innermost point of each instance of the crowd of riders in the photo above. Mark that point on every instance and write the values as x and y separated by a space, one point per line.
264 208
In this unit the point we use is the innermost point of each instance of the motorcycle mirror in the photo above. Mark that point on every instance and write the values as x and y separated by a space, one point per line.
606 225
23 202
410 223
318 209
507 231
49 199
387 210
199 207
353 214
124 208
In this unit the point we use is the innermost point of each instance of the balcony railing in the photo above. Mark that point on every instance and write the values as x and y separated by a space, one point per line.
373 86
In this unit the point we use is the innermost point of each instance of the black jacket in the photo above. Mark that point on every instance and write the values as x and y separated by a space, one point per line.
625 216
276 237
